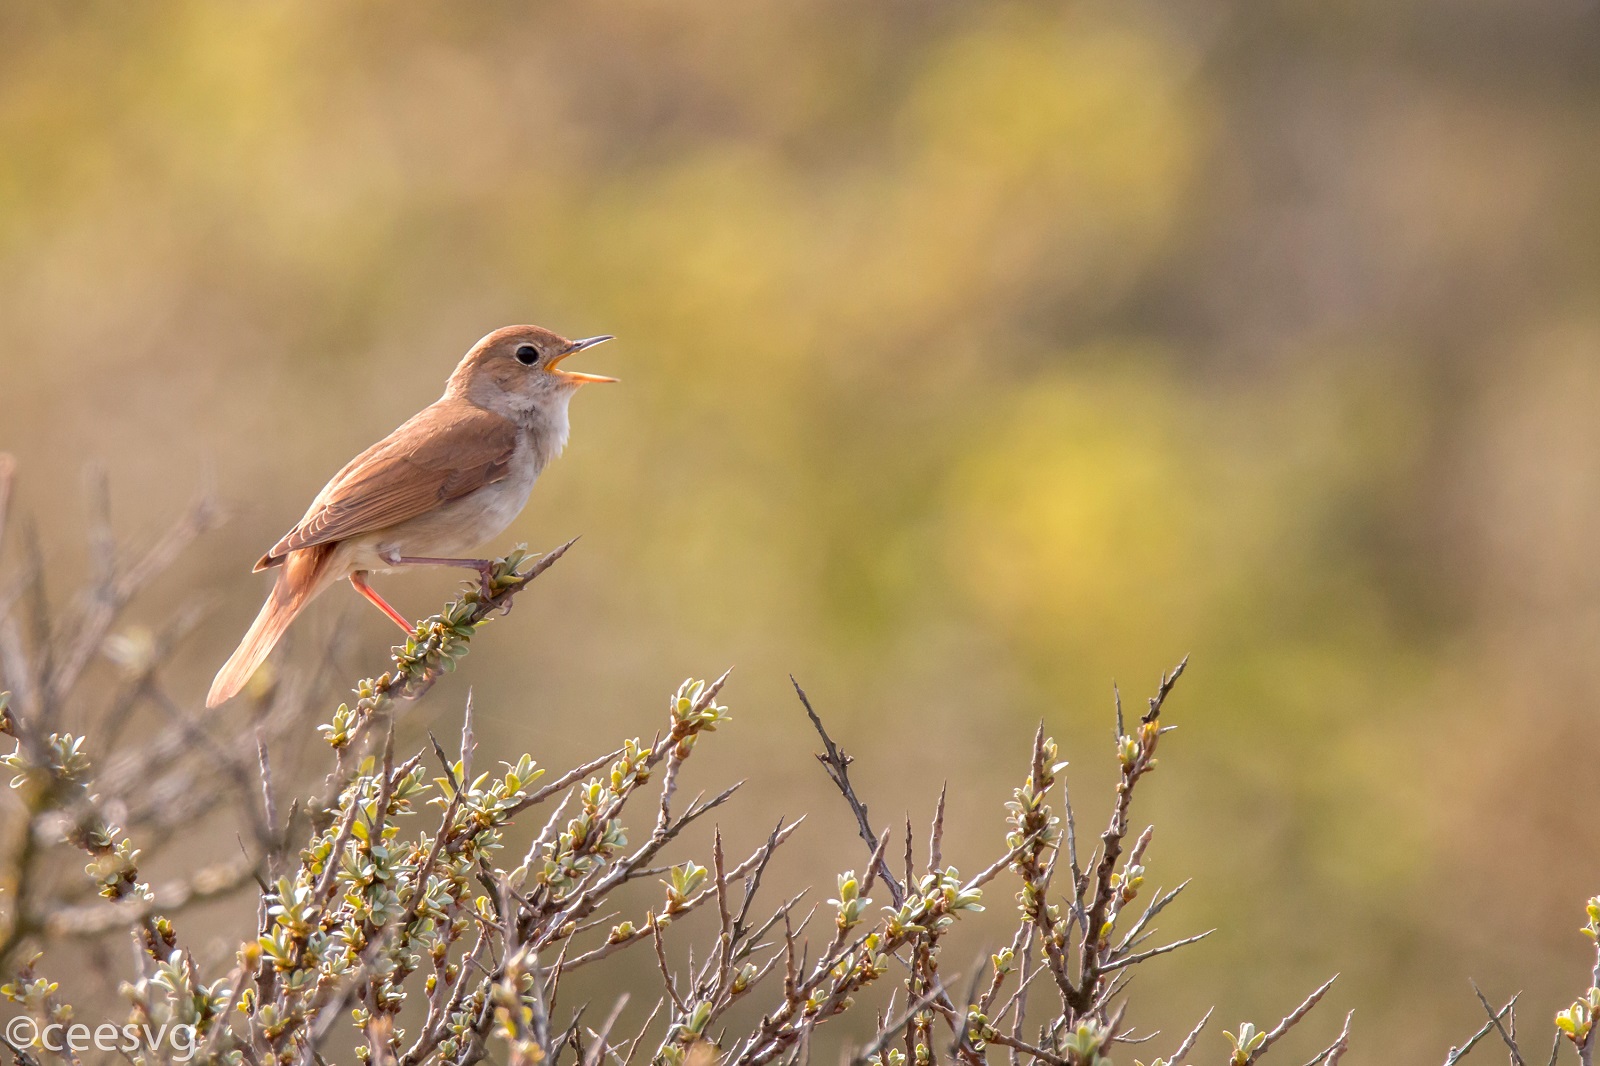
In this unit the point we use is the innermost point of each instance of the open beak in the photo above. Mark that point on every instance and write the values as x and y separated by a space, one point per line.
578 346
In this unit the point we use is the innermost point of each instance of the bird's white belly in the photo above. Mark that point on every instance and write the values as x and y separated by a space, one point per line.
454 530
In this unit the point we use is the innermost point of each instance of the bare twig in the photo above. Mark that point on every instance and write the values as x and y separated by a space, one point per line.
1510 1041
1335 1051
1290 1020
1188 1041
1457 1054
837 765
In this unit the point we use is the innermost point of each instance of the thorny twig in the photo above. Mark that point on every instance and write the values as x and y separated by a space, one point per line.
837 765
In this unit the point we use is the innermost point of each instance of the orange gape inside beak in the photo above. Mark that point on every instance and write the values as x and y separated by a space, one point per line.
578 346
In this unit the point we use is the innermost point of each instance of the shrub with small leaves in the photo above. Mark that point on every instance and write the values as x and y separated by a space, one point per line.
393 922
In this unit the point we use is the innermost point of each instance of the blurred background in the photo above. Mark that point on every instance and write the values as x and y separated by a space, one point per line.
974 356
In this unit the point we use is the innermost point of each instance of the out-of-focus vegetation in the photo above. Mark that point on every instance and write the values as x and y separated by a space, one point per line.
973 355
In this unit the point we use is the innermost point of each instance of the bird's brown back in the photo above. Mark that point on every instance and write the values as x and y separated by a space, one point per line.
447 450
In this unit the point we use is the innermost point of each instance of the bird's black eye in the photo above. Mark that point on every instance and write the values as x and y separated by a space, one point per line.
527 354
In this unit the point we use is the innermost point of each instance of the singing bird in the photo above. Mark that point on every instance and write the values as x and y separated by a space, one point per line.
429 493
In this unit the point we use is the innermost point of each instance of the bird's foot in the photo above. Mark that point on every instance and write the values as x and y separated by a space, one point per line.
484 567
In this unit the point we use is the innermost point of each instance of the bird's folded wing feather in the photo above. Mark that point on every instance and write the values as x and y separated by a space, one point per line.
446 451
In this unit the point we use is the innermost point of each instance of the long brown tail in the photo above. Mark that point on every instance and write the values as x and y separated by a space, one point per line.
304 574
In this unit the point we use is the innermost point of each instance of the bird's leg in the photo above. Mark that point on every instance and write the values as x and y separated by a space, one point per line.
484 567
359 580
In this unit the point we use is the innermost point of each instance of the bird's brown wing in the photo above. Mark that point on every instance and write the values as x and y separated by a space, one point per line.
446 451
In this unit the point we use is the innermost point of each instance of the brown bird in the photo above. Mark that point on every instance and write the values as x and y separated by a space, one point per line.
452 477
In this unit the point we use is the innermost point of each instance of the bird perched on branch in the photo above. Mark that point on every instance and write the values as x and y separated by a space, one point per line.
429 493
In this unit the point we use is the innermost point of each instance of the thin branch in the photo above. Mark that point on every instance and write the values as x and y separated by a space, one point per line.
1335 1051
1457 1054
1291 1020
1134 960
837 764
1510 1041
1188 1041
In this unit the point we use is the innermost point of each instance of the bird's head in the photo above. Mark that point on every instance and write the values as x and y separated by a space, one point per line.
515 371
